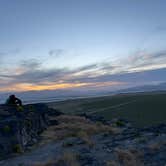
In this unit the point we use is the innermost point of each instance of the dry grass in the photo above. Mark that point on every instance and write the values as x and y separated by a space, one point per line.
86 138
75 126
128 157
72 118
49 163
156 146
112 163
68 158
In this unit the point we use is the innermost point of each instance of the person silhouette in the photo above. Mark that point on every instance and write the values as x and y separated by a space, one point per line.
14 101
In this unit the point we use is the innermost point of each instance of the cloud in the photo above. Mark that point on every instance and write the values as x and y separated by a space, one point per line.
140 67
96 69
36 75
31 64
56 52
87 67
143 60
58 80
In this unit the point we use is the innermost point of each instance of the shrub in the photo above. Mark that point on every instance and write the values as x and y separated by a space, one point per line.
17 148
120 123
67 144
6 129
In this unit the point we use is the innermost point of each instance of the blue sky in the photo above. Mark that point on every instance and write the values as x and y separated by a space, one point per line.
58 44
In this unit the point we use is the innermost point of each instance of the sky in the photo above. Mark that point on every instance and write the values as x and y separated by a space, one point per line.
91 44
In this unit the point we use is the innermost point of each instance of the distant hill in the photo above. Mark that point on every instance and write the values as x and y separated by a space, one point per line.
50 95
144 88
63 94
142 108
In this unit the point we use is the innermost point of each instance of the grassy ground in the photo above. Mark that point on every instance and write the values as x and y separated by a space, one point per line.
75 126
142 109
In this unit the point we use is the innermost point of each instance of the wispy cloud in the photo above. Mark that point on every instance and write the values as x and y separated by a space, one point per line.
56 52
143 60
30 64
139 67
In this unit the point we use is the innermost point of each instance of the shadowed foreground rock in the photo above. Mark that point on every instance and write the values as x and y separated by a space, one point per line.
81 141
20 128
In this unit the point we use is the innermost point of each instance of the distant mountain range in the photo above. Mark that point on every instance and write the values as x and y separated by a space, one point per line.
59 95
51 95
144 88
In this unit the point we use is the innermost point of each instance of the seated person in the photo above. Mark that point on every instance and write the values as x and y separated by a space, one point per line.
12 100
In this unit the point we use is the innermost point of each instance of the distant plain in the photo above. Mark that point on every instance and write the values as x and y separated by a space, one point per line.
142 109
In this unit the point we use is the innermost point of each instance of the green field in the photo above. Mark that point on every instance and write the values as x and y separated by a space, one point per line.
142 109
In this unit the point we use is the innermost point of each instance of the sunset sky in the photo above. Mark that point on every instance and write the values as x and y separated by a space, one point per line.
92 44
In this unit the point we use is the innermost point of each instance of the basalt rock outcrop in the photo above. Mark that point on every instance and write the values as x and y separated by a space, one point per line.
129 147
20 127
126 146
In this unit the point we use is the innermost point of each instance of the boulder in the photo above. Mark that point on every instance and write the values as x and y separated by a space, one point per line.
21 127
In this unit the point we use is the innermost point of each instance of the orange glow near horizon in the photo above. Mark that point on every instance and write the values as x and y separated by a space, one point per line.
20 87
31 87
